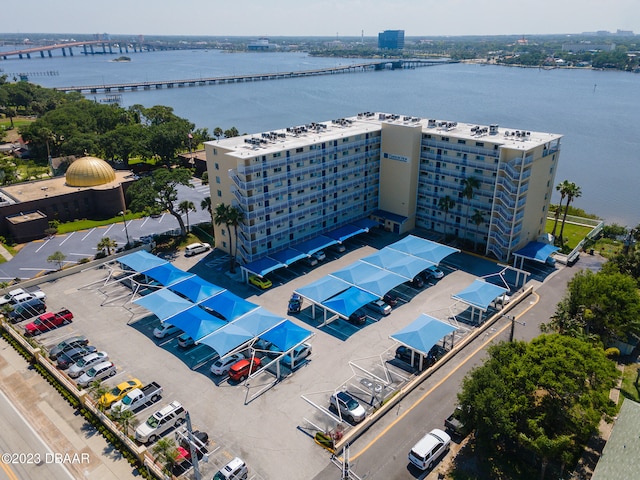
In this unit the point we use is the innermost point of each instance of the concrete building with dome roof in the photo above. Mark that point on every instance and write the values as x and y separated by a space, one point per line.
91 188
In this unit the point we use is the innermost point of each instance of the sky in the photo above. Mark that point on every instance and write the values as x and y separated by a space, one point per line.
334 18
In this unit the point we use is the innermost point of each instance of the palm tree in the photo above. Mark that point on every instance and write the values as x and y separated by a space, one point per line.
206 204
573 191
124 417
97 389
471 184
235 218
562 187
186 206
107 244
166 453
445 204
229 216
221 217
477 218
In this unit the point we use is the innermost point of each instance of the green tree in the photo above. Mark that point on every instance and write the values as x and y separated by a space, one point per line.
57 257
205 204
572 191
158 192
445 204
185 207
605 304
107 244
229 216
125 418
218 132
231 132
166 453
97 389
562 188
477 218
470 185
546 396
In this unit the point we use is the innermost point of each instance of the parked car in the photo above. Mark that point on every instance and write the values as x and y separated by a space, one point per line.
243 368
200 441
72 355
262 283
98 372
165 330
222 365
295 304
432 272
48 321
358 317
311 261
404 353
27 309
339 247
390 299
293 358
77 341
20 295
417 282
138 397
185 341
430 448
173 415
196 248
119 391
86 362
236 469
349 408
319 255
380 307
454 424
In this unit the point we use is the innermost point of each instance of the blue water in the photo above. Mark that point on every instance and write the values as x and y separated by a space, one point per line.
597 112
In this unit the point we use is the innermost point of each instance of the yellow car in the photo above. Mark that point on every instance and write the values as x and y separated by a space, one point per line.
262 283
119 391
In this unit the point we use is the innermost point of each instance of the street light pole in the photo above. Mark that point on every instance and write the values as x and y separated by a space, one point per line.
126 232
513 325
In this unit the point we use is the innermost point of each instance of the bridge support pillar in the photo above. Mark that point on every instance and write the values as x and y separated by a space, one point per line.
49 52
126 48
64 52
120 48
42 53
91 49
110 49
84 49
70 52
28 55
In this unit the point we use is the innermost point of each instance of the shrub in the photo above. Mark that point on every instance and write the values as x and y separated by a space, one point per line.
612 352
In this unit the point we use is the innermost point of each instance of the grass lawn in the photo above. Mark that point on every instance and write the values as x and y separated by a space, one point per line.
572 233
88 224
629 388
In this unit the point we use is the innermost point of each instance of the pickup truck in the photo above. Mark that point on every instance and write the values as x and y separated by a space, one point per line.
20 295
138 397
454 424
48 321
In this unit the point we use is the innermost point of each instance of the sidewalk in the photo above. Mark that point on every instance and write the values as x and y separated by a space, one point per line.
5 253
57 422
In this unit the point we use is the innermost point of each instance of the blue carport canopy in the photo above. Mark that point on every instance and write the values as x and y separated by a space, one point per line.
480 294
349 301
263 266
426 249
258 321
365 223
163 303
141 261
370 278
288 256
315 244
228 305
322 289
537 251
423 333
227 338
195 322
196 289
286 335
167 274
398 262
347 231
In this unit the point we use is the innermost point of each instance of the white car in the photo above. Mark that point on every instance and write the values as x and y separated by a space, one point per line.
195 248
97 373
165 330
222 365
297 355
20 295
86 362
433 272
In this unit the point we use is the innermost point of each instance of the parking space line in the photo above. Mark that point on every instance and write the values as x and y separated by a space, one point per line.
89 233
43 244
67 238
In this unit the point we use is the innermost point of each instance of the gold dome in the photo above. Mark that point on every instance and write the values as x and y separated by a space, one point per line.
89 172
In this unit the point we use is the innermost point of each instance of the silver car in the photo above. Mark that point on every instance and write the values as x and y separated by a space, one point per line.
86 362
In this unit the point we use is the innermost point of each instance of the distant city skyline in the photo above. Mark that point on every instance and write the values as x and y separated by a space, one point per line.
333 18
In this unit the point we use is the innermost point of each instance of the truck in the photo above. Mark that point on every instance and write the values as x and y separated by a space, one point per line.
48 321
454 424
20 295
138 397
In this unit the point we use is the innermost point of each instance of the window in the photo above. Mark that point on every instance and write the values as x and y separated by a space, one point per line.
277 169
217 179
217 167
463 142
479 144
299 150
219 192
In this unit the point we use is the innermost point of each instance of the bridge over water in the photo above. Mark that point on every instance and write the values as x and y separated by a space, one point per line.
87 48
359 67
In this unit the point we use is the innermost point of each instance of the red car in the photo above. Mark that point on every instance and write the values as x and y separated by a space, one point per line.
243 368
48 321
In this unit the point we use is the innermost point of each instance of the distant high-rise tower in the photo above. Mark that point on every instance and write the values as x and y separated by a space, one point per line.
391 40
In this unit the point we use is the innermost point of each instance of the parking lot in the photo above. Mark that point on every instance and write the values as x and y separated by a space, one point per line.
266 430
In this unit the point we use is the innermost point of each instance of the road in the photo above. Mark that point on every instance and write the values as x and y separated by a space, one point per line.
31 260
381 452
24 454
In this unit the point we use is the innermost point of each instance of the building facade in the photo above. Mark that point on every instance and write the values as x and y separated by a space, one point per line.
298 183
391 40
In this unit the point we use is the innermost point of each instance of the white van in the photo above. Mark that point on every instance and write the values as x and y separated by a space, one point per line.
99 372
236 469
173 415
429 449
165 330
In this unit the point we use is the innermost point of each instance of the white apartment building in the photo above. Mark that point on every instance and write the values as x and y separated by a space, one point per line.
297 183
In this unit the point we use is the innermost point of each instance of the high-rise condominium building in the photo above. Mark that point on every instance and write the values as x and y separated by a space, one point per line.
485 184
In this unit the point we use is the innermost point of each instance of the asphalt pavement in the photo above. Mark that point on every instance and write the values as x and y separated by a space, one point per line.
31 260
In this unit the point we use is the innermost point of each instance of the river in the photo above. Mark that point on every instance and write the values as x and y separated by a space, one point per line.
598 112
